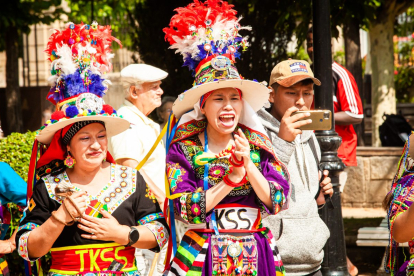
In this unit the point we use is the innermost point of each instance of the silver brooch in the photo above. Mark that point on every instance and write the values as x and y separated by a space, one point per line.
89 101
221 63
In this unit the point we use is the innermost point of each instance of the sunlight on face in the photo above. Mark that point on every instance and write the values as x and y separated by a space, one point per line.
222 110
298 95
150 95
89 146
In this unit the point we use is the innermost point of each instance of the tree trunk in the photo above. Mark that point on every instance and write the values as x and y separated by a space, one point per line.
354 64
14 110
382 63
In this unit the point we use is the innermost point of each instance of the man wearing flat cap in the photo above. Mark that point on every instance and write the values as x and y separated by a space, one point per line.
141 83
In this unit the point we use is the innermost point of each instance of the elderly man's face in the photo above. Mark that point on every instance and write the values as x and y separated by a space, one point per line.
150 95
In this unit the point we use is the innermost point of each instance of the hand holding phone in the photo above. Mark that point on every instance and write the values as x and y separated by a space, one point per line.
291 124
321 119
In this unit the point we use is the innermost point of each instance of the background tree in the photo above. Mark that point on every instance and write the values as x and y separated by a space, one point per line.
16 17
381 32
353 15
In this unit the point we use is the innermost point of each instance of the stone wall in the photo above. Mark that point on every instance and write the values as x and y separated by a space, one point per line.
370 181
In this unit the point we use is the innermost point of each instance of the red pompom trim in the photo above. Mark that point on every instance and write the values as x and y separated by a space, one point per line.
108 109
57 115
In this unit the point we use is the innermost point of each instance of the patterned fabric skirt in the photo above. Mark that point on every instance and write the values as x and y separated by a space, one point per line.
204 254
101 273
4 267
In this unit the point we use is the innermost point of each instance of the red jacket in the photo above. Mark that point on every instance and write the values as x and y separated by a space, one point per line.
346 98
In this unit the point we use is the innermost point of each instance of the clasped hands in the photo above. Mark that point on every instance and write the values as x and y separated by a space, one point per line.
106 228
240 155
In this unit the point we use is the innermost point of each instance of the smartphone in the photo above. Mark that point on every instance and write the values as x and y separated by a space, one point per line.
321 119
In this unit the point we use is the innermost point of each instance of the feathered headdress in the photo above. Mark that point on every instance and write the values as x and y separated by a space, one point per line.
203 30
80 55
207 35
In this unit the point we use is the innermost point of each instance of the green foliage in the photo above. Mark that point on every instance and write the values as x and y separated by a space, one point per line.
15 150
300 54
405 23
24 13
105 12
339 57
404 84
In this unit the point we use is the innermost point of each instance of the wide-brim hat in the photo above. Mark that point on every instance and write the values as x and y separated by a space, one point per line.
256 94
113 124
80 57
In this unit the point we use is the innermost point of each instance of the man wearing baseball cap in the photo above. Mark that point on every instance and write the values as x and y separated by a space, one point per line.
141 83
299 231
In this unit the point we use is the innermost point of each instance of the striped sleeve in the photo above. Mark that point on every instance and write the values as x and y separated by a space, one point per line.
347 94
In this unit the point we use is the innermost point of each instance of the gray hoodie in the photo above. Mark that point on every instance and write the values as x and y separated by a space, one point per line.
299 231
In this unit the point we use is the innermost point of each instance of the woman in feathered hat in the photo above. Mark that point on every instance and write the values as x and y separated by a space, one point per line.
221 168
88 211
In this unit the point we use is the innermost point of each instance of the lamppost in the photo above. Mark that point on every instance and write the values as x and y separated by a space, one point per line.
334 262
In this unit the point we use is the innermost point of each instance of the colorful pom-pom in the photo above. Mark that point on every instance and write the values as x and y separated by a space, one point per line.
108 109
72 111
57 115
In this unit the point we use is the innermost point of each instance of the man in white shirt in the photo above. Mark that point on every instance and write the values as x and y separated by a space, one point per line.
141 83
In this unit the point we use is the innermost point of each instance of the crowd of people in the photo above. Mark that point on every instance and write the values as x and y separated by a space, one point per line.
229 175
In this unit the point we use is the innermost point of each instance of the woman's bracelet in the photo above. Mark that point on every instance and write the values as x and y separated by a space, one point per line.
61 221
234 162
70 214
230 183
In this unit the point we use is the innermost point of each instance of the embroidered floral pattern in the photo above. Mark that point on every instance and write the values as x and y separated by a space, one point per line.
150 195
276 165
217 171
150 218
278 200
234 255
196 207
120 187
159 231
28 226
183 202
189 129
22 247
175 174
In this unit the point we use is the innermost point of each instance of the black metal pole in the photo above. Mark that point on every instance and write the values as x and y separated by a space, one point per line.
334 262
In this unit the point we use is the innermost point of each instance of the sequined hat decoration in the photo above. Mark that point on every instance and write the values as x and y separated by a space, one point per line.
80 57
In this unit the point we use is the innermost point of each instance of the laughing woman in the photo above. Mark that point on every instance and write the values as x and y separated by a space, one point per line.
220 160
89 212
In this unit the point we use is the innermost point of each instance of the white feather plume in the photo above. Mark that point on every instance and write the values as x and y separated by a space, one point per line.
219 29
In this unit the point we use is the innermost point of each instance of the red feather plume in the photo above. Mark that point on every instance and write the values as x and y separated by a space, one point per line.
80 35
195 14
